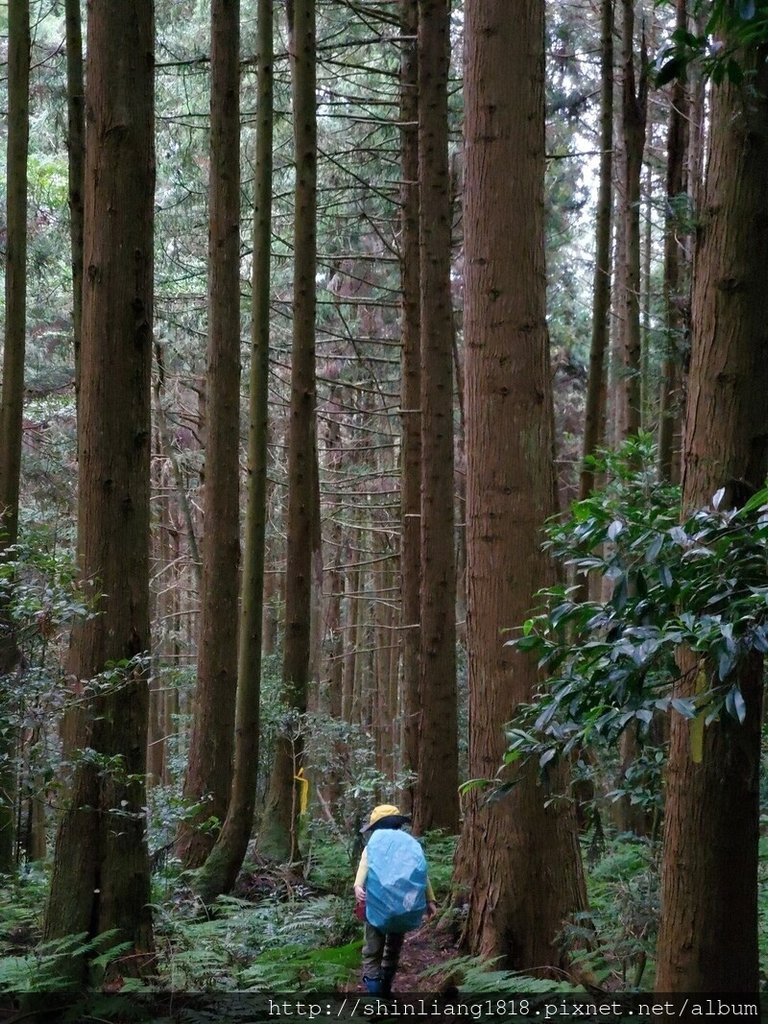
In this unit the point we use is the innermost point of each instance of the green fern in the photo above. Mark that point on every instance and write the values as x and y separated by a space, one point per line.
298 969
48 967
477 975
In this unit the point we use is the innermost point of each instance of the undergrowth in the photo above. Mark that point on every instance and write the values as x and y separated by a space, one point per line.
310 940
308 945
614 940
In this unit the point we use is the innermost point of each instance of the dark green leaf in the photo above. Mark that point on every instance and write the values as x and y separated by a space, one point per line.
523 643
674 68
756 501
735 704
726 663
620 592
685 706
615 529
655 547
546 757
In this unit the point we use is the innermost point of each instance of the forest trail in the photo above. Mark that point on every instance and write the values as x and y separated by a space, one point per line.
428 948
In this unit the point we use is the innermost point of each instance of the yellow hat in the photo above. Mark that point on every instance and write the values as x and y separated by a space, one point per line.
385 811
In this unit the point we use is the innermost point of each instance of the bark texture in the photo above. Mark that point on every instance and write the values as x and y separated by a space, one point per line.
209 772
519 860
76 165
634 97
708 935
436 803
101 871
410 468
220 870
675 304
12 404
278 837
594 414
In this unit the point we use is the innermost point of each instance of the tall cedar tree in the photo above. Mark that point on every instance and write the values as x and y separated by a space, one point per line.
220 870
708 935
594 413
209 769
634 96
410 403
75 160
670 403
519 860
436 800
278 837
11 407
634 101
101 868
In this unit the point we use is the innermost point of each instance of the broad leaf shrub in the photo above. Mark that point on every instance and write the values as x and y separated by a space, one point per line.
699 581
718 50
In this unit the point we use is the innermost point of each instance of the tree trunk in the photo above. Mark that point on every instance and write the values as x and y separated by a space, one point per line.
12 405
629 397
410 464
209 771
633 115
670 405
594 416
220 870
518 859
76 162
436 802
352 634
278 838
708 935
101 869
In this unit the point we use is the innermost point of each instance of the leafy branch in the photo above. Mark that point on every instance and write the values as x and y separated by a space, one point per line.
700 584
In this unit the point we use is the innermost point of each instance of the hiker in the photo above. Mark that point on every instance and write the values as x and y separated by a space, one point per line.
393 886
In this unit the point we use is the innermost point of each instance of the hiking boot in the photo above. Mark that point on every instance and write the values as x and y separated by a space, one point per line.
373 986
387 977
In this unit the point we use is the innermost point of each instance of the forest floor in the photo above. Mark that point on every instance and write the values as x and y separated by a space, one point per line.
424 950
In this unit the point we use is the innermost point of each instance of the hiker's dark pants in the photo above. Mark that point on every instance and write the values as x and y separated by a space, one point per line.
381 952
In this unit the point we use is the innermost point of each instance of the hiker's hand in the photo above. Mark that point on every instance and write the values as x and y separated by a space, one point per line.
431 910
359 893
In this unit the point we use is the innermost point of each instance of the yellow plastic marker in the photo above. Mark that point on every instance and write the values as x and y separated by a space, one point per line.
303 782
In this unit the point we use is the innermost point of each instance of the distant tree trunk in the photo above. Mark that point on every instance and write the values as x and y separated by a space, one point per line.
12 404
278 838
35 840
670 405
594 416
410 459
697 126
634 97
646 403
383 633
518 859
225 860
159 561
708 934
76 162
633 115
436 800
209 771
330 696
353 633
101 870
270 615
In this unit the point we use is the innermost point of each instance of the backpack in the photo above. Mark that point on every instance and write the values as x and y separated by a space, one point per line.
396 886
